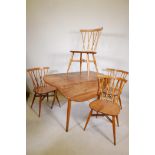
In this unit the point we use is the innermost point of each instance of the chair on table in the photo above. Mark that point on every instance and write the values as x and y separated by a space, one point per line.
117 73
107 105
41 89
90 39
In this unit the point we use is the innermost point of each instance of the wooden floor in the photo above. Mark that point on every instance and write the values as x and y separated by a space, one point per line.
47 136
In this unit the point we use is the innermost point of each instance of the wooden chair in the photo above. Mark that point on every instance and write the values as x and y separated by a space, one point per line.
117 73
107 105
41 89
90 39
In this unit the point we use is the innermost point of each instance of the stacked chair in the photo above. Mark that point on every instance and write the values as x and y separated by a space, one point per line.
90 38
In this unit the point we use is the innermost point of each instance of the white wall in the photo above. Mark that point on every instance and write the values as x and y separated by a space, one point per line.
53 30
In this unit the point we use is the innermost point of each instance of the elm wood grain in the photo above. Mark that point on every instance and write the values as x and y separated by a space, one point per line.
107 104
75 86
80 92
90 39
40 88
64 80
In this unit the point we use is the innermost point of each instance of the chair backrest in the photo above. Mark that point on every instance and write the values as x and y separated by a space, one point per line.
90 38
117 73
37 75
110 86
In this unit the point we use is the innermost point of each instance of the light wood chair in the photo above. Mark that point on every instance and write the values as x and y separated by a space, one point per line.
90 38
117 73
107 105
41 89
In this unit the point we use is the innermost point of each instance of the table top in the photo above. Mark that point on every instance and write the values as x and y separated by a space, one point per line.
75 85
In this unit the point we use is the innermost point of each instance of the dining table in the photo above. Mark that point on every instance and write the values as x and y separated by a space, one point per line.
74 86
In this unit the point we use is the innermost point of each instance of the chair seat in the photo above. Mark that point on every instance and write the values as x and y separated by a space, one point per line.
105 106
87 52
44 90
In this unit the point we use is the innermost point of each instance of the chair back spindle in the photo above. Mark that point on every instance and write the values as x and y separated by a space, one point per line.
37 75
90 38
117 73
111 86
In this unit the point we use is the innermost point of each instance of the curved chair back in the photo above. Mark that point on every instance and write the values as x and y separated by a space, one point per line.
110 86
90 38
117 73
37 75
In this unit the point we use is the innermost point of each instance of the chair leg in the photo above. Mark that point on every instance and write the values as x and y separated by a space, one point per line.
120 102
95 63
47 97
117 120
114 129
70 62
33 100
90 113
80 62
88 64
53 100
57 99
40 99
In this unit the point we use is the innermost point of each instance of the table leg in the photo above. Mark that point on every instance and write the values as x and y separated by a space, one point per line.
68 114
